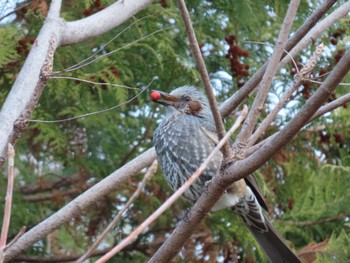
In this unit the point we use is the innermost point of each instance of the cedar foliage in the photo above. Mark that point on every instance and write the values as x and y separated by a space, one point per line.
306 184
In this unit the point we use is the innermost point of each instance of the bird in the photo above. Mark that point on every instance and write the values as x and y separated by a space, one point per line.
183 139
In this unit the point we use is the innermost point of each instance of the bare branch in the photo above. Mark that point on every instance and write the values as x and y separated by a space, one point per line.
242 168
341 101
272 67
101 22
177 194
162 254
304 73
236 99
8 202
151 171
280 139
319 221
26 91
77 206
204 74
14 240
322 26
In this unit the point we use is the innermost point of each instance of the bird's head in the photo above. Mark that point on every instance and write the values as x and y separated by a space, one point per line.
186 100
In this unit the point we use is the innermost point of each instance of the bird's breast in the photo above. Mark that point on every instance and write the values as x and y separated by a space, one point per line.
182 145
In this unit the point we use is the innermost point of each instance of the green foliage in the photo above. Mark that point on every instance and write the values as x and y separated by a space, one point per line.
8 36
306 184
337 249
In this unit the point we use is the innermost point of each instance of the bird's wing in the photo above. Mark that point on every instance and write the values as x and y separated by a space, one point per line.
250 179
253 184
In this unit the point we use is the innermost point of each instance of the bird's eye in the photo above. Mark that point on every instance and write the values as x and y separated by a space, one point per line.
186 98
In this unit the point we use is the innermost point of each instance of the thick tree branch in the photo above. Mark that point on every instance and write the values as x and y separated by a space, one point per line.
101 22
236 99
77 206
26 91
302 118
316 31
178 193
272 67
204 74
242 168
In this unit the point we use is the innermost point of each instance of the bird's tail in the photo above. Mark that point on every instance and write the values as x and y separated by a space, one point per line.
273 245
275 248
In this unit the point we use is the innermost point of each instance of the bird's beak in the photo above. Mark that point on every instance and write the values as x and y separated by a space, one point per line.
164 98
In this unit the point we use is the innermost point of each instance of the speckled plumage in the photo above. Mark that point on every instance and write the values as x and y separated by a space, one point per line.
182 144
183 139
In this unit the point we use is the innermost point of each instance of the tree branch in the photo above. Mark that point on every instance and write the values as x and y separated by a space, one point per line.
151 171
308 39
178 192
242 168
271 69
341 101
204 74
304 73
26 91
8 202
77 206
101 22
233 102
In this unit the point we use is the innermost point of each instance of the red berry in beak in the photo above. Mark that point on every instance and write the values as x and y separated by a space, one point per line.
155 95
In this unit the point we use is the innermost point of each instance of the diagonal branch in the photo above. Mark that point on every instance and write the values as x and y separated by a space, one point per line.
26 91
236 99
271 69
95 25
178 192
8 202
83 201
243 168
150 172
341 101
204 74
304 73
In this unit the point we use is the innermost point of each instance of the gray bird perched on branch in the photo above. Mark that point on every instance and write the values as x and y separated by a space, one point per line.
183 139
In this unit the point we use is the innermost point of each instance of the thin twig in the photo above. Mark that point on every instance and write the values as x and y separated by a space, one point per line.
341 101
81 65
150 172
95 112
177 194
320 221
204 74
102 46
15 10
19 234
304 73
264 86
320 82
94 83
238 97
8 202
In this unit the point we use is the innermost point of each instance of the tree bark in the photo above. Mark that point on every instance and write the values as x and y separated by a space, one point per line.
27 89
